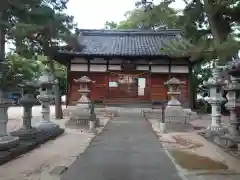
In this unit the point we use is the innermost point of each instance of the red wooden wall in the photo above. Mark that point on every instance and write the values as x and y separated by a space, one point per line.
158 92
154 91
98 89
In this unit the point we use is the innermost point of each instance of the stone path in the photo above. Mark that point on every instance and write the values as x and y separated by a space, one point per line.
126 150
213 177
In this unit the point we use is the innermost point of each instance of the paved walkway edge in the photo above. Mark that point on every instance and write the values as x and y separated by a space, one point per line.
180 170
57 176
101 130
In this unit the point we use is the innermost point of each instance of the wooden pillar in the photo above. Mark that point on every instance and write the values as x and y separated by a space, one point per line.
68 92
149 81
170 69
169 75
88 64
107 81
190 91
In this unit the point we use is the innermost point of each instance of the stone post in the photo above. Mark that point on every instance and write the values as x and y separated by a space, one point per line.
28 100
231 105
46 97
215 87
174 111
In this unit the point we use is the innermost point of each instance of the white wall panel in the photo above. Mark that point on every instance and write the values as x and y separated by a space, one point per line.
142 67
160 69
114 67
79 60
79 67
179 69
98 68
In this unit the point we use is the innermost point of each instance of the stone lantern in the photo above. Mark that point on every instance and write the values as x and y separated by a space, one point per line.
46 97
174 111
6 140
231 105
233 87
84 90
216 99
28 100
83 112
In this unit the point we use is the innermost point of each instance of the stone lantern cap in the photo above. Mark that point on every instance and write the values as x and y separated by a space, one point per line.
46 78
233 67
29 84
84 79
173 81
212 82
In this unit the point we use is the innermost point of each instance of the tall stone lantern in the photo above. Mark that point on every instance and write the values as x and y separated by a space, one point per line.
82 114
28 100
216 99
233 104
6 140
46 97
174 111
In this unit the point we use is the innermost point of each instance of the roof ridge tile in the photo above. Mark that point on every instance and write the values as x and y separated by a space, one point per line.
129 32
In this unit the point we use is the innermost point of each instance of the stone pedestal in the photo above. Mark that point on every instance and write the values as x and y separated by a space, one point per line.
27 132
83 114
174 112
6 140
215 85
46 97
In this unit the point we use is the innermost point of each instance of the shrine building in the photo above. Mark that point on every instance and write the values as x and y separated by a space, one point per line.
126 65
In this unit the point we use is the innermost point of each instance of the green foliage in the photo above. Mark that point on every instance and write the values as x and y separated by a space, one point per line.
21 68
60 72
110 25
160 16
35 27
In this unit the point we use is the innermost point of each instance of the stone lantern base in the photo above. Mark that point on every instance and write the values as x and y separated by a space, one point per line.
79 117
48 127
174 112
8 142
27 134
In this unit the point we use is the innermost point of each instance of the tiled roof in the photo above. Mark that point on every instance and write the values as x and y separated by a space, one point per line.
125 42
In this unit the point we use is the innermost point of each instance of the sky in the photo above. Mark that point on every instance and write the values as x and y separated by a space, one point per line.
92 14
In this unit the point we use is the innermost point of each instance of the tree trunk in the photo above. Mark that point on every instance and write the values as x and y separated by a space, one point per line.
58 104
2 46
219 29
208 6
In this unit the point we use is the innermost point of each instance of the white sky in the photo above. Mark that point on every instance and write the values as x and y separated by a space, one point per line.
92 14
